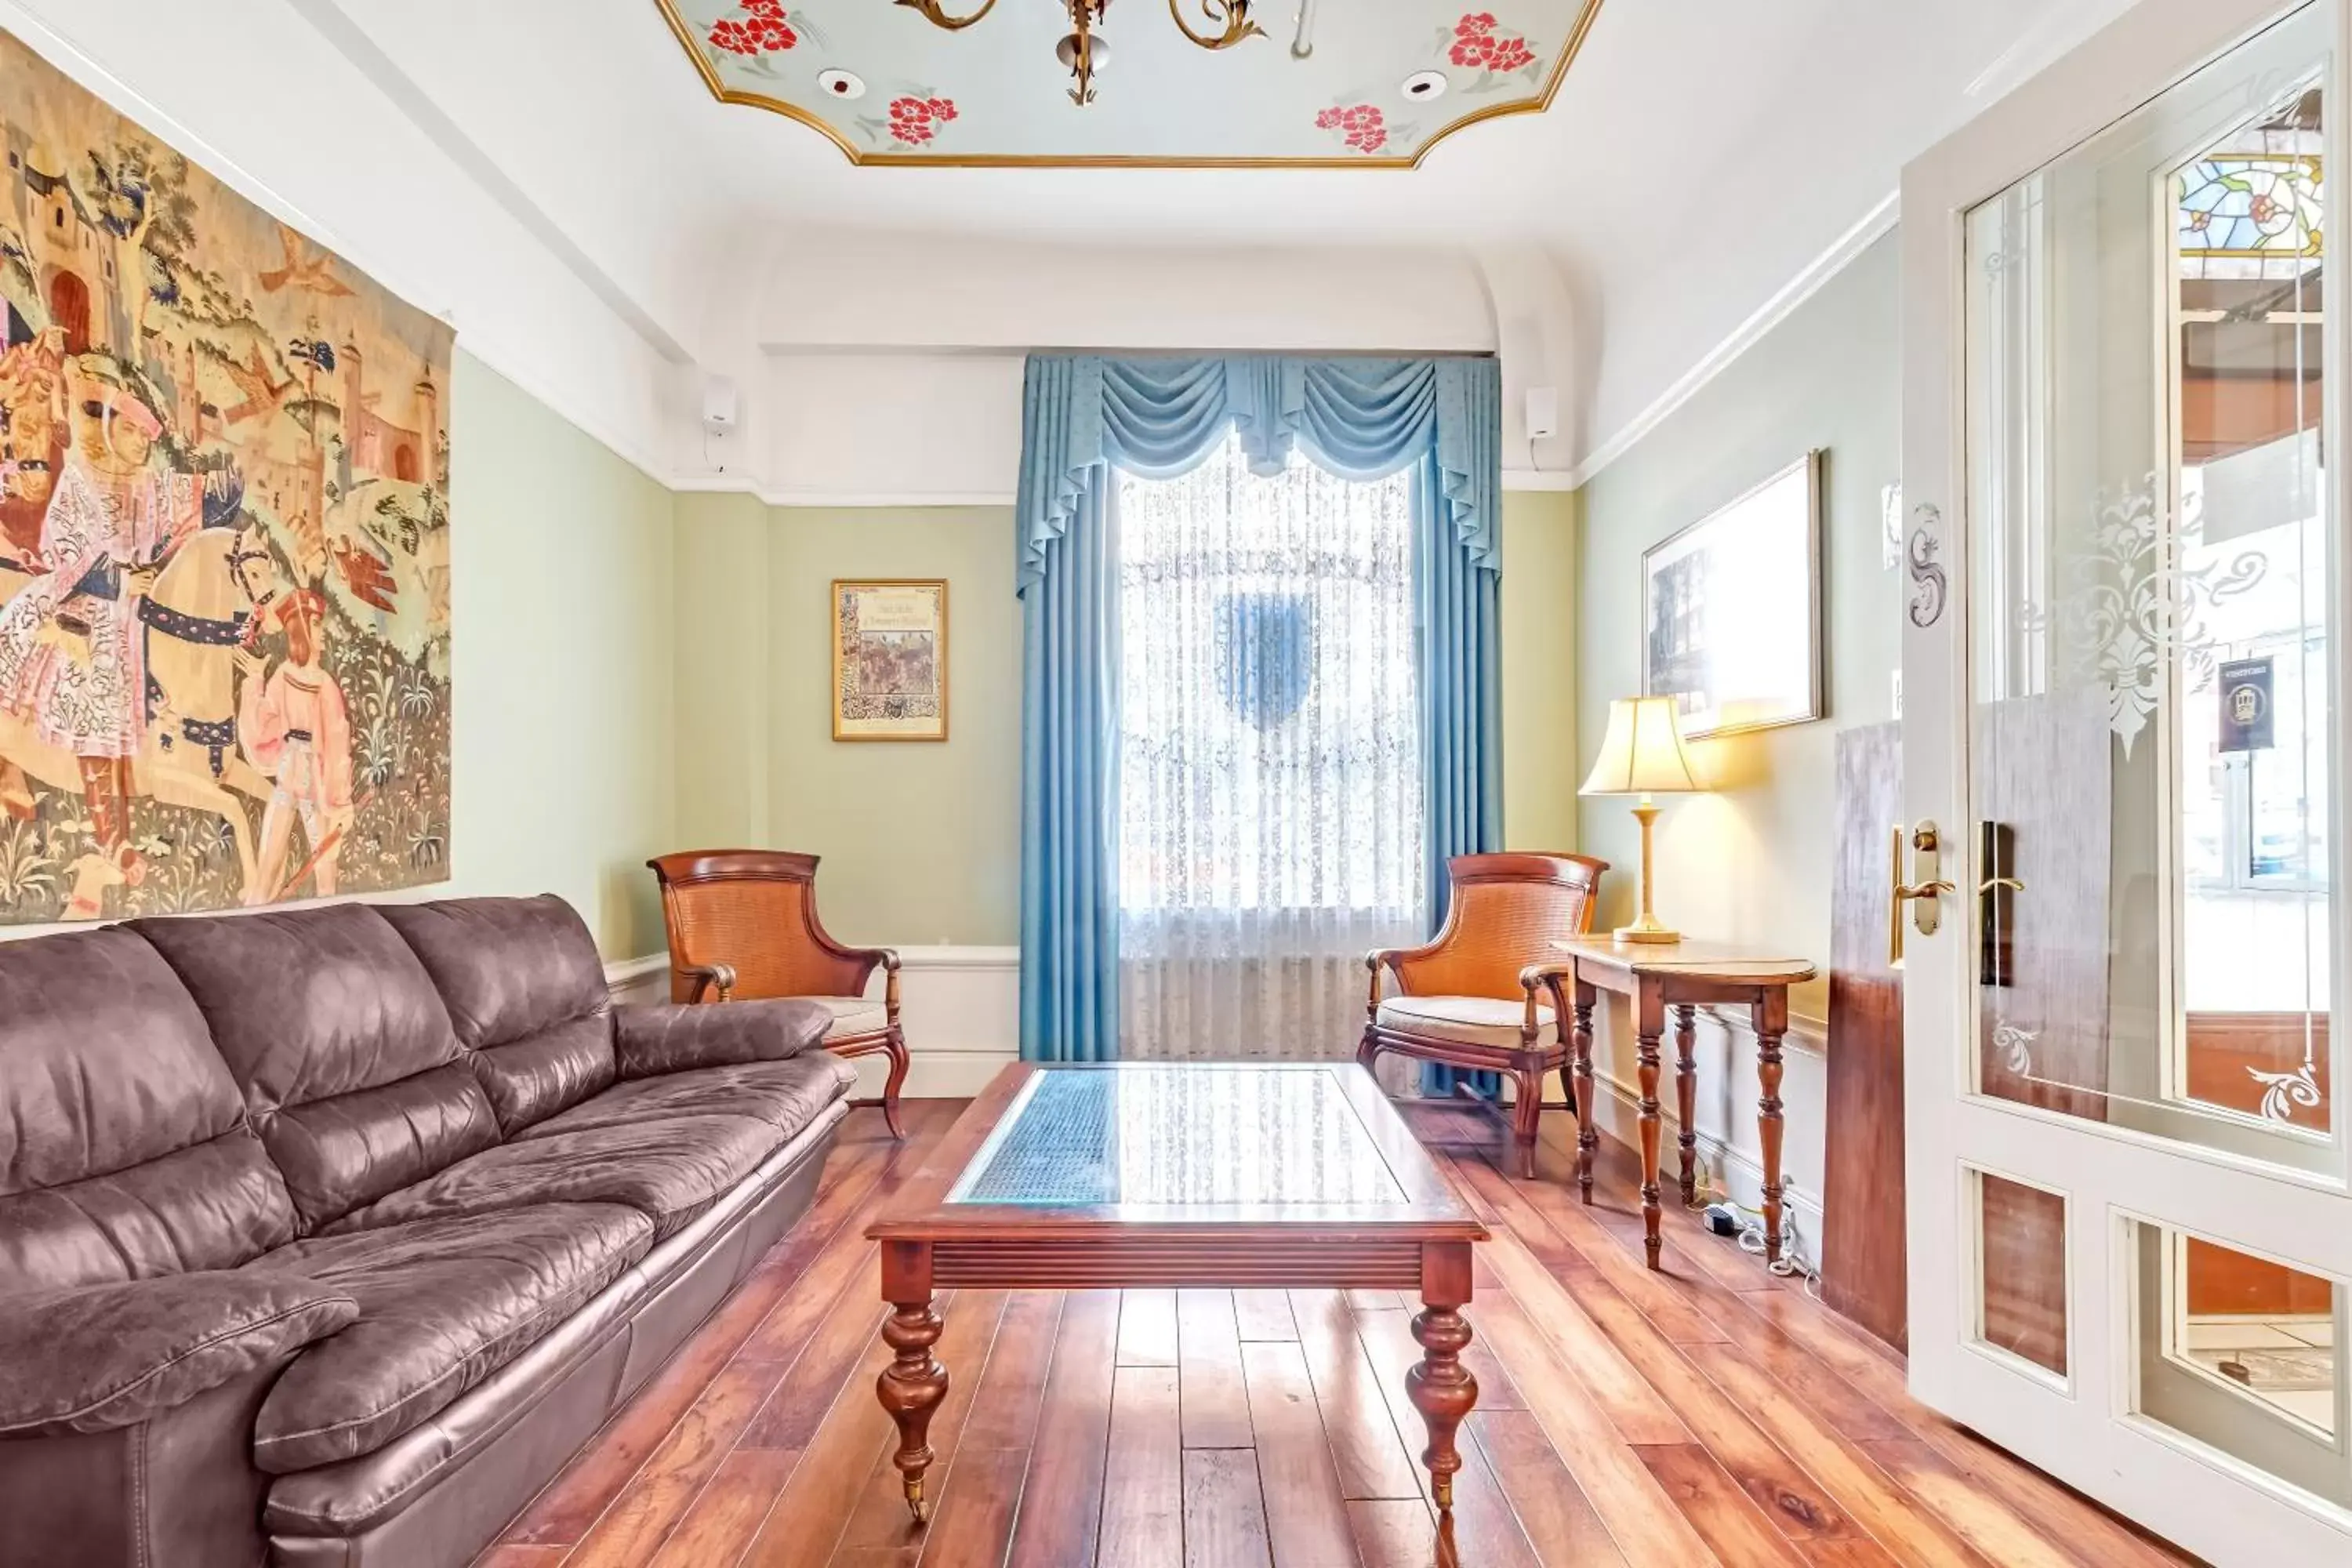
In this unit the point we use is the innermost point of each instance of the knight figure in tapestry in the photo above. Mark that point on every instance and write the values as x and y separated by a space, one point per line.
223 539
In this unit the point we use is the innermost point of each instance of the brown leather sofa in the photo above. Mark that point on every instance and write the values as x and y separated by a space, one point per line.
328 1235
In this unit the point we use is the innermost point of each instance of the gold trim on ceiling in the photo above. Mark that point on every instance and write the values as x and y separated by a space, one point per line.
725 94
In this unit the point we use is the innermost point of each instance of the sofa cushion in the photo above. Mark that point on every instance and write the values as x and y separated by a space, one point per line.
669 1170
350 1069
852 1014
442 1303
123 1149
786 1095
102 1356
525 988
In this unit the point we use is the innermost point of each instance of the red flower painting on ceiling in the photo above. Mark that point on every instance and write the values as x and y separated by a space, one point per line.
1362 126
1480 43
916 116
765 28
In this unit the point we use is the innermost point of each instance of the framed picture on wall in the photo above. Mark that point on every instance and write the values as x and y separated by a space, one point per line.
889 660
1731 609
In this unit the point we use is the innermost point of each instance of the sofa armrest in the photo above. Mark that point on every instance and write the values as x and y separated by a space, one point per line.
673 1038
97 1357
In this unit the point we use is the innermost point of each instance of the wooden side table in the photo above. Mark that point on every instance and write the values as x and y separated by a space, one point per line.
1679 976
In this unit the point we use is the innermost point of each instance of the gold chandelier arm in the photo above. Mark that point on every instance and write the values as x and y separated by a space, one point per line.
938 18
1233 15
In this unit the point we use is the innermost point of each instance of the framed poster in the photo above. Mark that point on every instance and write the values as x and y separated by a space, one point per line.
889 660
1731 610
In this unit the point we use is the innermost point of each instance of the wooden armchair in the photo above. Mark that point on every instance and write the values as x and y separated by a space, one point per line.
742 924
1469 999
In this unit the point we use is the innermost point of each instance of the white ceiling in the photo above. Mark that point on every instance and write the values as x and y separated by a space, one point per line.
1700 155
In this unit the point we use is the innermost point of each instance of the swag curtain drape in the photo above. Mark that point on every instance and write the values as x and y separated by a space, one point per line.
1363 419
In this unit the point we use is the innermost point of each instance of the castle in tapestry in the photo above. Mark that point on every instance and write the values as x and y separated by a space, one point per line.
224 539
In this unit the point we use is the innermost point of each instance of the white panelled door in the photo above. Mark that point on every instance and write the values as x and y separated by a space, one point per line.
2130 1187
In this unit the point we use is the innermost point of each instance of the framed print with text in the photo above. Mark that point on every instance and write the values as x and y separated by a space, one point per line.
889 660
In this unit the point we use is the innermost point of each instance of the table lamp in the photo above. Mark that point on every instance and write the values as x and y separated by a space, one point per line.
1643 755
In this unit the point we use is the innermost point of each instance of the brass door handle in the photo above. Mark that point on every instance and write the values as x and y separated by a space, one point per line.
1927 848
1934 889
2014 884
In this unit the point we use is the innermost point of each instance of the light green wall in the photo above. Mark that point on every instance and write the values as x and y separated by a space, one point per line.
1539 688
564 741
1752 861
921 841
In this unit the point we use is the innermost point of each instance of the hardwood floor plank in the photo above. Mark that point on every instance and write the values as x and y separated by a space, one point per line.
1062 1499
1306 1516
1366 1449
1644 1522
723 1520
1984 1523
975 1518
520 1556
1147 1327
1376 1300
1561 1522
1393 1532
1215 1404
1618 1257
1263 1315
1637 1410
1013 1387
823 1491
1793 1501
801 1397
1871 1499
1143 1475
1225 1518
1718 1508
648 1507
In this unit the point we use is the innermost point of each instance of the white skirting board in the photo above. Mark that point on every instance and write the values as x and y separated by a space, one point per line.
961 1007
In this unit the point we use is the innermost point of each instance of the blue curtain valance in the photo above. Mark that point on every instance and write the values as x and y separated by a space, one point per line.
1363 419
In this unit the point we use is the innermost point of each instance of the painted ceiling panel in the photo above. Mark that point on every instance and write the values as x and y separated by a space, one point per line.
1362 83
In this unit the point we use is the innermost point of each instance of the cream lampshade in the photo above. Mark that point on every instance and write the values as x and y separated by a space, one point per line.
1643 755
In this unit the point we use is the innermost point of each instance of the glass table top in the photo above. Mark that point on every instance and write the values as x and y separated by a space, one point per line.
1156 1134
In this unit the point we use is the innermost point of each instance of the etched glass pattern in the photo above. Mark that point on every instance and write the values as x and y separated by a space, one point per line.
1168 1136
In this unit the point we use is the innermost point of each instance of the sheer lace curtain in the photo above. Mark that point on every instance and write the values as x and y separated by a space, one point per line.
1270 790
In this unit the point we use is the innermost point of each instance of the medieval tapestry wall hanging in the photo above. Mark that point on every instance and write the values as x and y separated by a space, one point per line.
223 539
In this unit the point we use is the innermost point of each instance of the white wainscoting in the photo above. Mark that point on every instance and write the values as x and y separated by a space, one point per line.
961 1007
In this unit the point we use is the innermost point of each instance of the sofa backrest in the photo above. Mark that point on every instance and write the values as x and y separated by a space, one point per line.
525 988
124 1149
350 1069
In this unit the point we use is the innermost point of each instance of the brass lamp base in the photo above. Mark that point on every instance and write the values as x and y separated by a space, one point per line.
1646 927
1652 933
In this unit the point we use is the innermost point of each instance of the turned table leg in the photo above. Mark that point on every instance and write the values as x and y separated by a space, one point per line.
1771 1015
1649 1016
914 1382
1440 1387
1588 1116
1686 1095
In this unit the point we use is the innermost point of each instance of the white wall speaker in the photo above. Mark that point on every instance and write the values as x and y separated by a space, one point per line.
1543 413
720 410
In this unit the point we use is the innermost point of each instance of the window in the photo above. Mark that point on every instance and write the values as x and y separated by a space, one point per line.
1270 794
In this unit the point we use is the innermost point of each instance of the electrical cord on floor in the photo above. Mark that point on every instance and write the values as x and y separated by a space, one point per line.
1749 1233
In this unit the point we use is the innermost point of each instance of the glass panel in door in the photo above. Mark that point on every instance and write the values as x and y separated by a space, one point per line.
2153 612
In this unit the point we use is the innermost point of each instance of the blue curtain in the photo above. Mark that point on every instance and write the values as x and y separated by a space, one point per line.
1363 419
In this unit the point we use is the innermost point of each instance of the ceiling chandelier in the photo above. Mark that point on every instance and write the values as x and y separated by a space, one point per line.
1084 51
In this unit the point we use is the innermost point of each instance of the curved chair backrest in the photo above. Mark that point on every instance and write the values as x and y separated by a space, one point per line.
754 910
1505 912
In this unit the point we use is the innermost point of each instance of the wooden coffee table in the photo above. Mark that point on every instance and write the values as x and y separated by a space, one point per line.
1141 1175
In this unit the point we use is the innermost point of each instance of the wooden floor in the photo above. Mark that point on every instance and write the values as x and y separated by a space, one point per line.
1710 1413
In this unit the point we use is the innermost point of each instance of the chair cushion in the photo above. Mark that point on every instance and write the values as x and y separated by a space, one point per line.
350 1070
443 1303
786 1095
124 1147
526 991
852 1014
1473 1020
669 1170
